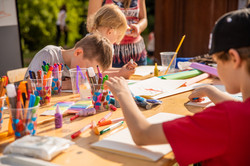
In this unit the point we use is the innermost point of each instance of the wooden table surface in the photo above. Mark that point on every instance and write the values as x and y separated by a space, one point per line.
81 153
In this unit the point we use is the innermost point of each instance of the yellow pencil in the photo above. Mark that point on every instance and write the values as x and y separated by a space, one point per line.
183 37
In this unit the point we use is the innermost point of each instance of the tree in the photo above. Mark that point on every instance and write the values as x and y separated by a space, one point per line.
37 20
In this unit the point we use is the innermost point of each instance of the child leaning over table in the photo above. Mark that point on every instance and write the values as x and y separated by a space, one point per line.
219 135
90 51
110 22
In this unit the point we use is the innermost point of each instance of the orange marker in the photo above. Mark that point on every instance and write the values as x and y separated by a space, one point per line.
44 80
107 122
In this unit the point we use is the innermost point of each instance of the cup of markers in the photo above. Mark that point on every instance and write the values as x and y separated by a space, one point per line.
24 119
100 97
42 87
56 82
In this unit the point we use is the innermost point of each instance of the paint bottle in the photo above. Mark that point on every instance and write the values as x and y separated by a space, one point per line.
58 118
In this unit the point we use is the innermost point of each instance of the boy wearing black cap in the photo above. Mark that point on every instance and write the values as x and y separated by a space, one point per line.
220 134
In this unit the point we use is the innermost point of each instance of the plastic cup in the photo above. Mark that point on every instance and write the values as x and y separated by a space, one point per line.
80 84
166 58
100 97
24 121
42 88
56 82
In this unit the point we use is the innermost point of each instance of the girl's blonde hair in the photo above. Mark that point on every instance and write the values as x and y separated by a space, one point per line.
108 16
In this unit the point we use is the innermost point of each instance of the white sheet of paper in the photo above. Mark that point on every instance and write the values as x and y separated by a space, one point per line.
178 90
154 86
146 70
122 142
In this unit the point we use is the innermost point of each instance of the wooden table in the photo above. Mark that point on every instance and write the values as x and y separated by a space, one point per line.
81 153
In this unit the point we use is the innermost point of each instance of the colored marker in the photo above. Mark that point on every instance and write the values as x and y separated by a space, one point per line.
66 66
99 73
154 101
95 128
92 75
131 61
112 107
143 102
105 117
108 122
11 93
198 99
81 131
111 127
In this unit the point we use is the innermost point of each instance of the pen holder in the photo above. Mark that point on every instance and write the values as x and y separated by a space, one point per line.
100 97
56 82
24 121
80 84
42 88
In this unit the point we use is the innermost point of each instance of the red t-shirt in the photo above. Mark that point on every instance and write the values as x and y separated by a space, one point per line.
220 135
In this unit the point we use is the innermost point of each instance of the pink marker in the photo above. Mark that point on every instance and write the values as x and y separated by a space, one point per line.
105 117
58 118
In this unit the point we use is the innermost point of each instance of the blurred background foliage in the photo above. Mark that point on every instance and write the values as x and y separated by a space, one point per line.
37 21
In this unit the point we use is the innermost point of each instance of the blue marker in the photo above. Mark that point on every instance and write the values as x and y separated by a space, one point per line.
44 63
142 102
196 98
30 73
154 101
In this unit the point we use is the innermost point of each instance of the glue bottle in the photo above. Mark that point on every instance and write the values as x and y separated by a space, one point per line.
58 118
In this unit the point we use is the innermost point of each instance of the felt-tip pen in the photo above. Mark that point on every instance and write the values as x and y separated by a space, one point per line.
198 99
111 127
108 122
154 101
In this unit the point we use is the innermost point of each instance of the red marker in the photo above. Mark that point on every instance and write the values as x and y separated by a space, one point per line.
112 107
81 131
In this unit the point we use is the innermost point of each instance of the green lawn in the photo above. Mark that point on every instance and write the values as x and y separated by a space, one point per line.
27 57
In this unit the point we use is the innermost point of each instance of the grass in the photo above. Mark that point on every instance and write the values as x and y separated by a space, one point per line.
27 57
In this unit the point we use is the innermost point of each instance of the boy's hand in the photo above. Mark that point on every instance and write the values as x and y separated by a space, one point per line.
200 92
117 85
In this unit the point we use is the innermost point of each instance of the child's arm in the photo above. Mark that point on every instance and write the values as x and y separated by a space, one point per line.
94 5
214 94
143 22
143 133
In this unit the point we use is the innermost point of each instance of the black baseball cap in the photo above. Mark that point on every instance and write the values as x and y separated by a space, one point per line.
232 30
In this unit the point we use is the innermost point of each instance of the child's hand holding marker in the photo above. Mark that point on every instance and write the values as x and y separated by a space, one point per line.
131 65
133 30
198 99
199 93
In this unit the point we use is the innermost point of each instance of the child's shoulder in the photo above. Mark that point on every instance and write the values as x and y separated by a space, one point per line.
50 50
51 47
